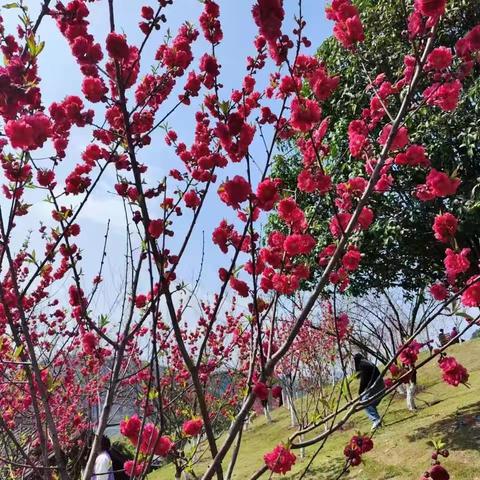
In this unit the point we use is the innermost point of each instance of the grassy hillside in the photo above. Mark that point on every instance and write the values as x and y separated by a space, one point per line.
401 449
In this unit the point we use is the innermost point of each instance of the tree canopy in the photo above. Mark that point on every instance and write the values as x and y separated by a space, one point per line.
399 250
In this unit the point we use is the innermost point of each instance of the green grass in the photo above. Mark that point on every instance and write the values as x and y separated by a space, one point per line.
401 450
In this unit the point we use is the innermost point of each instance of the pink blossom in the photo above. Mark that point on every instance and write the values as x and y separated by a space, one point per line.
453 372
305 114
445 227
192 427
471 296
280 459
439 291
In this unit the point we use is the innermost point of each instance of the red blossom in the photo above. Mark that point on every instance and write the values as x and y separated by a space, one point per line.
439 59
277 391
357 134
431 8
130 428
414 155
239 286
147 13
291 214
155 228
444 96
353 455
191 199
439 292
117 46
94 89
339 224
456 263
305 114
321 84
409 353
225 235
280 460
473 39
471 296
260 390
361 443
152 442
445 227
268 15
351 259
28 132
140 300
89 342
326 254
235 191
349 32
399 141
442 185
132 469
210 23
192 427
366 217
45 177
267 194
348 28
164 446
309 182
438 472
453 372
299 244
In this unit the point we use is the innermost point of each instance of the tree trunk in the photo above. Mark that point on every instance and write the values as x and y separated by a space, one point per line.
411 390
266 411
291 407
302 450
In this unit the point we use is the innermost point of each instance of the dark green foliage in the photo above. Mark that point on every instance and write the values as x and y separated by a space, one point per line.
399 249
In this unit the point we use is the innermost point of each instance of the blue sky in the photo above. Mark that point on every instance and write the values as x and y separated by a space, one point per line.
60 77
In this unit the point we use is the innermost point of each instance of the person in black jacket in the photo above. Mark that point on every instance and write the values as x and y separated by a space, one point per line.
371 383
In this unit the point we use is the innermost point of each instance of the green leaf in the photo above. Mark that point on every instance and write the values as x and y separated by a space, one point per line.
18 351
103 320
152 394
465 315
225 107
40 48
32 46
11 5
345 385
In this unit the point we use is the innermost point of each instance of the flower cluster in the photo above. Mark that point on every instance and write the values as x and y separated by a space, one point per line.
445 227
192 427
398 373
471 295
437 471
148 438
358 445
73 24
210 23
280 459
269 15
453 372
409 353
348 28
133 469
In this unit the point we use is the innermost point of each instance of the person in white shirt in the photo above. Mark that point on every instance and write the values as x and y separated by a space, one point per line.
103 469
